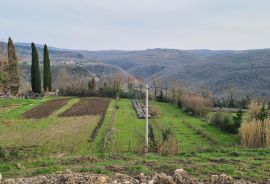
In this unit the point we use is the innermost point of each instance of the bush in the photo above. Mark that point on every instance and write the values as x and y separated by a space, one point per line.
2 153
255 133
152 140
258 111
8 154
217 119
237 120
225 122
232 102
196 105
162 140
13 153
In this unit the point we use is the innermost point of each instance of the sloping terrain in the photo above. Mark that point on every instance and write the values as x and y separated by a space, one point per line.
247 71
53 144
72 62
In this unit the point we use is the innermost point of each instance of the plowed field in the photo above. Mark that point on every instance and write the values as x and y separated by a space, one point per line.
44 110
88 106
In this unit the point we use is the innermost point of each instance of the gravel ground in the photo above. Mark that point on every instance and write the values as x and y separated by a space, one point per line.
180 177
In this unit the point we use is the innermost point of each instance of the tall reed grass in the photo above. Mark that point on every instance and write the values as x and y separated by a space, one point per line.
255 133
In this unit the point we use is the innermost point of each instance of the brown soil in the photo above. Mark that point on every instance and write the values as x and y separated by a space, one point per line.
88 106
46 109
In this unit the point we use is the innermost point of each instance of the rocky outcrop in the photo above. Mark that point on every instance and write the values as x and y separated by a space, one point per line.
180 176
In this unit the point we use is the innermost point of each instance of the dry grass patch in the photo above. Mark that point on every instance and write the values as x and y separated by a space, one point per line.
70 134
6 109
196 105
6 122
65 135
255 133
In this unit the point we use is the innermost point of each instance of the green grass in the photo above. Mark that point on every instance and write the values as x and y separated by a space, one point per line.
98 144
251 164
175 117
62 144
19 106
128 132
21 101
128 129
9 102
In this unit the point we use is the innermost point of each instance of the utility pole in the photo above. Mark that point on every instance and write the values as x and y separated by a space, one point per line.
146 119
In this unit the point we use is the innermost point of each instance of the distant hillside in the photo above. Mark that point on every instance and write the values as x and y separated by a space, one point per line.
61 58
246 70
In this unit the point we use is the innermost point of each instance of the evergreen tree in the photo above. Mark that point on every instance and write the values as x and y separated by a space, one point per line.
4 87
12 68
35 73
237 120
47 79
263 113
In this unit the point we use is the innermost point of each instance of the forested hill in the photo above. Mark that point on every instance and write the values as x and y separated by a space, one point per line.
248 71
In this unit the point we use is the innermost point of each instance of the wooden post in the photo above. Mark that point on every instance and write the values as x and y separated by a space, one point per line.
146 119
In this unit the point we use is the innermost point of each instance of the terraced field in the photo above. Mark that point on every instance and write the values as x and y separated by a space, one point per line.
56 142
88 106
39 125
44 110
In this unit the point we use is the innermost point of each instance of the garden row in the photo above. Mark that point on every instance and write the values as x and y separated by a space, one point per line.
86 106
141 110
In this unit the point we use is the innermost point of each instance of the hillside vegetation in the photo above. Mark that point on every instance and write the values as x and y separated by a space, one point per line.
247 70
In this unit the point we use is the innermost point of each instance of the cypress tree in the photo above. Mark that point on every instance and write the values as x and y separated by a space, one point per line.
13 71
4 87
35 73
47 80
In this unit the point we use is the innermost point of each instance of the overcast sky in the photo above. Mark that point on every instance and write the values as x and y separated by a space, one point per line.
138 24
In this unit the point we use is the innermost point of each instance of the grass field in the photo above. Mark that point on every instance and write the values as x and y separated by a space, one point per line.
48 135
129 130
62 142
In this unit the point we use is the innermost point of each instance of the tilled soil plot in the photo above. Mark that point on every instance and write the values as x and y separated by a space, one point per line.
44 110
88 106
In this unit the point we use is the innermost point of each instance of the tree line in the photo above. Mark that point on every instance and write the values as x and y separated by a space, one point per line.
35 71
10 75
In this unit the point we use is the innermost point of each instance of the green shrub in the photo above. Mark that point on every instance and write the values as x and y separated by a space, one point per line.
226 122
8 154
162 140
2 153
152 140
13 153
237 120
